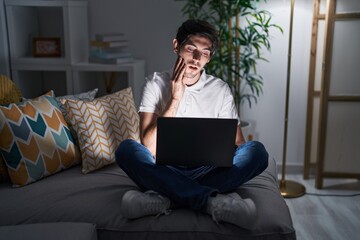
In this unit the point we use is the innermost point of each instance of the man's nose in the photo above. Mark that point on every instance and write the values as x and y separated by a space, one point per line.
196 55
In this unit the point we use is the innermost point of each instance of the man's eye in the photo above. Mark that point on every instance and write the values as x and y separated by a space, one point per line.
206 53
190 49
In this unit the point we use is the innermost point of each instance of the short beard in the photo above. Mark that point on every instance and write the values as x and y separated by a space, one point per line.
189 75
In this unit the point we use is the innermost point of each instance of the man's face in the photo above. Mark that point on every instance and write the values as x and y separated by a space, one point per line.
196 52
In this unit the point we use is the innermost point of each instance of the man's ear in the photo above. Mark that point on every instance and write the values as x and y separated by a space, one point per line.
175 45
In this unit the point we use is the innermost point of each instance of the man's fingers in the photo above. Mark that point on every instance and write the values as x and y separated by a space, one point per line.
176 63
182 71
178 67
179 73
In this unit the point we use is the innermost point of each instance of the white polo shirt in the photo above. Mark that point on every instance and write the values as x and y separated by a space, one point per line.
210 97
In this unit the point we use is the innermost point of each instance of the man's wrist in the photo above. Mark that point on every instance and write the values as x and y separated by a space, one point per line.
172 107
175 101
174 104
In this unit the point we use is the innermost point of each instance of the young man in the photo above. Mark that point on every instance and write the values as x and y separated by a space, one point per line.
187 91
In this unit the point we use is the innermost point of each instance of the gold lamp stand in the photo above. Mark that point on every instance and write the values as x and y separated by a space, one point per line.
289 189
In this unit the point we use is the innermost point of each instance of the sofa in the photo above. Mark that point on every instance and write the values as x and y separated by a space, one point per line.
85 185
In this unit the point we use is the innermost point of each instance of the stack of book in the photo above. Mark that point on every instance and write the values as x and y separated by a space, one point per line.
110 48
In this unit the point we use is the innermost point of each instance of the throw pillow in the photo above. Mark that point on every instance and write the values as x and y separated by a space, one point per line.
101 125
35 140
9 93
86 96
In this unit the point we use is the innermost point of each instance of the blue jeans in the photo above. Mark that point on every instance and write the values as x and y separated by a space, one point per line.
190 187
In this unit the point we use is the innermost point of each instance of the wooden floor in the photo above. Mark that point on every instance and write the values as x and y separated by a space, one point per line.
326 217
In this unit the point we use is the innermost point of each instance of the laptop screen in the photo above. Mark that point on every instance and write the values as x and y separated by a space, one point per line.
195 141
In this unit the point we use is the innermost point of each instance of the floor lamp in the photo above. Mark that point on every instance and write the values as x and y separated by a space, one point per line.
289 189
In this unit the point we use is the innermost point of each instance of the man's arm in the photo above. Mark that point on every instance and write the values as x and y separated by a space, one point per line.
239 136
148 130
148 123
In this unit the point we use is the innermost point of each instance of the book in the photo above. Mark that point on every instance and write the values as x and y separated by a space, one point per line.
95 43
110 37
110 49
111 60
115 52
107 55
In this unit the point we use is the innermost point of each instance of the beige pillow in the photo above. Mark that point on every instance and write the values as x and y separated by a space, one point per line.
85 96
101 125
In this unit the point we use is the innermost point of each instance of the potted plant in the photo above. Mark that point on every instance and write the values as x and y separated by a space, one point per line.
244 32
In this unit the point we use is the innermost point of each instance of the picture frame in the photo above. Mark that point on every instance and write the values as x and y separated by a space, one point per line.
46 47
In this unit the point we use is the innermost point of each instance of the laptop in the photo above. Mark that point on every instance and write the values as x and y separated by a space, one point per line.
195 142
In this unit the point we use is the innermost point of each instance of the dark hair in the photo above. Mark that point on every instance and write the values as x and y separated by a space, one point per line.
198 28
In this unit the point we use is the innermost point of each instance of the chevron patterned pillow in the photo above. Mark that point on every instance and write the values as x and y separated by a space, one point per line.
85 96
35 140
101 125
9 93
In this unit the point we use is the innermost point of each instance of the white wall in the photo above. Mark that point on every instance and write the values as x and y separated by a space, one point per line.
269 113
151 26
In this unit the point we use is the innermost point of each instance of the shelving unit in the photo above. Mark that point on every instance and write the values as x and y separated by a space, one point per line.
68 73
87 76
26 20
4 49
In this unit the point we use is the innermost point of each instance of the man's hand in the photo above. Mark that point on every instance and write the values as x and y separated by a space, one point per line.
178 86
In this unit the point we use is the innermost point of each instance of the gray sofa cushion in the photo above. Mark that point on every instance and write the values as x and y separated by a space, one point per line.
53 231
70 196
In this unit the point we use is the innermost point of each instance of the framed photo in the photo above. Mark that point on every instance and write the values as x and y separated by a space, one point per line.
46 47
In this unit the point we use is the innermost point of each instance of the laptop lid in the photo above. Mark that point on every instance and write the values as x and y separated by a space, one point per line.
195 141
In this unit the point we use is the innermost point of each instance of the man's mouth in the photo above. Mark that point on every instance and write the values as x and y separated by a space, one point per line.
192 68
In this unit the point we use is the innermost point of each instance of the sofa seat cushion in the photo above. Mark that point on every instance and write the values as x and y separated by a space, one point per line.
70 196
53 231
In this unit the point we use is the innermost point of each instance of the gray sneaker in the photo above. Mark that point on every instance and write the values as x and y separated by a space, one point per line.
233 209
137 204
